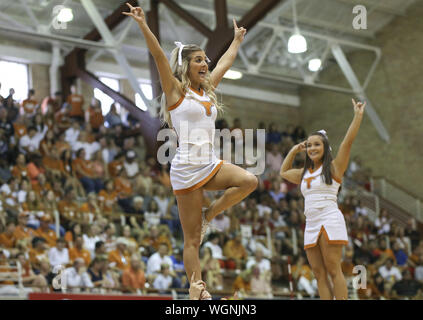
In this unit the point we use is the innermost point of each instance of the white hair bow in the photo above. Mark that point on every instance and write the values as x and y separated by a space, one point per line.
326 136
181 47
323 132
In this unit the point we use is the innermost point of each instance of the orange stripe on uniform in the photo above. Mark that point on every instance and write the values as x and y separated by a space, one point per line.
344 242
199 184
176 104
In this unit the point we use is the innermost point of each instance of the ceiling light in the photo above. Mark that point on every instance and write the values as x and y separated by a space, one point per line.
297 43
65 15
233 75
314 65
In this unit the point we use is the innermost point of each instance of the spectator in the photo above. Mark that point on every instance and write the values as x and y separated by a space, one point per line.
95 271
235 253
90 209
242 283
260 283
157 259
217 252
21 230
30 105
400 255
59 255
45 232
38 252
113 118
130 164
221 223
77 277
76 102
389 272
133 278
211 270
383 222
94 115
120 258
274 159
108 198
30 142
91 237
164 279
259 260
407 287
84 171
8 237
273 135
152 214
78 251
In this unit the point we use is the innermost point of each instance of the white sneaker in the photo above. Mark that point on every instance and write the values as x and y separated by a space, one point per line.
204 225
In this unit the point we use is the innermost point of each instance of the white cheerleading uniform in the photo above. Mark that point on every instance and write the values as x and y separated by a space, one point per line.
321 210
195 162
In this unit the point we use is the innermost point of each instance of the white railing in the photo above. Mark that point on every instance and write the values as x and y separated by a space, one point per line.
398 196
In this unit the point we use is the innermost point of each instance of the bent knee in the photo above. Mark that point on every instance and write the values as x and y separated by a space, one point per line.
250 182
333 269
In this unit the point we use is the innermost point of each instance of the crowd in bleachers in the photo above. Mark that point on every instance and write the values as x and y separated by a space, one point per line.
63 161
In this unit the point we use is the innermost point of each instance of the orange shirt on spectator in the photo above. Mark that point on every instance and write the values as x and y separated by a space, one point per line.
239 284
122 262
114 167
20 172
107 200
20 129
123 187
75 253
36 255
8 241
68 209
29 106
76 102
49 236
53 164
96 118
133 279
84 165
33 172
155 242
40 189
234 250
23 233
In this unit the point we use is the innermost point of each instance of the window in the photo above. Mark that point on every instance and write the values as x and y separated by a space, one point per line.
14 75
147 90
105 100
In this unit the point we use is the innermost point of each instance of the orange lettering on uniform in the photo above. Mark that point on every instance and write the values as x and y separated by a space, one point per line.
207 105
308 180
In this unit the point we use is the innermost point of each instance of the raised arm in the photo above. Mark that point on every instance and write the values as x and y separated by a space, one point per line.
340 163
286 172
170 85
226 61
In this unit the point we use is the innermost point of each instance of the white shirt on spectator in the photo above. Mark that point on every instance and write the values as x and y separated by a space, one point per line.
262 209
71 135
393 272
76 280
253 244
57 257
162 204
155 262
32 144
162 282
264 264
89 243
131 169
273 162
216 250
221 224
90 148
152 218
418 273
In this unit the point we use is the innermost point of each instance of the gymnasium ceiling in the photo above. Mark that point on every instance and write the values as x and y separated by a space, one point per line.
278 69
